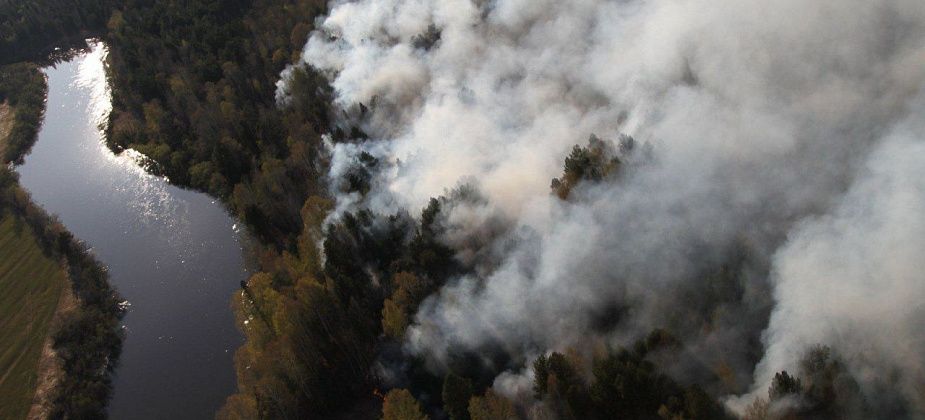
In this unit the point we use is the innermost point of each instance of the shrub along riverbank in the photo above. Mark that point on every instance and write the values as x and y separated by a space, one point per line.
22 89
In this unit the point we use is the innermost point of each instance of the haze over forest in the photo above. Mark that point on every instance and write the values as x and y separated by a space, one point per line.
536 209
777 142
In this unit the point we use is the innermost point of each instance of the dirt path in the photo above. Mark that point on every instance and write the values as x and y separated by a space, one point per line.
6 124
50 369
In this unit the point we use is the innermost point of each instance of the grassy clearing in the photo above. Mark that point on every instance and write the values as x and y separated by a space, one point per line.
30 287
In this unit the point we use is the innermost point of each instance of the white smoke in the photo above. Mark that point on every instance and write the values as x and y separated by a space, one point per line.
855 277
762 115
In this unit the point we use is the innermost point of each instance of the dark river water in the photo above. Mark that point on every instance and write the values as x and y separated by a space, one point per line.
174 254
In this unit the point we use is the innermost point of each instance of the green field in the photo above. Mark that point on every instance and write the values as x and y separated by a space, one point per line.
30 286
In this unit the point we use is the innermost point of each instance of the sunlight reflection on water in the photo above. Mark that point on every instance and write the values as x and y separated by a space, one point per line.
175 254
151 197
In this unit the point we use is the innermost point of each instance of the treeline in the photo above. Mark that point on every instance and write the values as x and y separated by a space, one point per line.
626 382
194 86
623 384
822 388
23 87
315 329
321 331
33 29
89 342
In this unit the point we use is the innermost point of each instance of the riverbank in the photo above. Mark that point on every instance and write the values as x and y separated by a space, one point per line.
30 368
175 254
60 312
205 109
85 341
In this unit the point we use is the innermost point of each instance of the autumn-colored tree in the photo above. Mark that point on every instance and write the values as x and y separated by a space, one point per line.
593 163
394 319
491 406
409 291
238 407
399 404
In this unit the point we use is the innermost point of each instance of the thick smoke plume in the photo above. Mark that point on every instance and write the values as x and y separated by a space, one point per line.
784 135
854 276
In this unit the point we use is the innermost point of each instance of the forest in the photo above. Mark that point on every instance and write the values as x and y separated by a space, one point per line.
31 30
377 271
221 95
325 318
194 89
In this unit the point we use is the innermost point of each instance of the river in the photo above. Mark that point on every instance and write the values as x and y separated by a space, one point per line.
174 254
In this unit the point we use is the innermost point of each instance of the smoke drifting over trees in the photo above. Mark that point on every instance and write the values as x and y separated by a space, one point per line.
769 199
